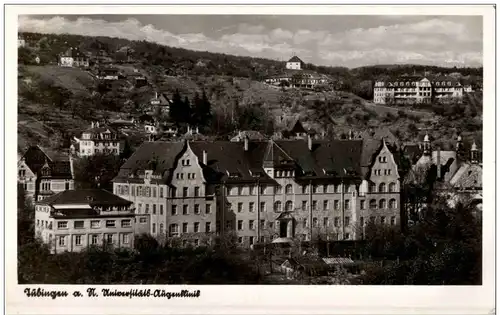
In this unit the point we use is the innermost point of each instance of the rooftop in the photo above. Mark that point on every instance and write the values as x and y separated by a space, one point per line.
91 197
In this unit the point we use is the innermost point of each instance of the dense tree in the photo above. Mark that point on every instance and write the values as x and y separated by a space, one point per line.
96 171
443 247
180 111
202 111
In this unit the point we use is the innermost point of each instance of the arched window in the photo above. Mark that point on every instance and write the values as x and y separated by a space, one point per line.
392 204
277 206
373 204
288 189
277 190
338 189
372 188
382 204
381 187
289 205
392 187
304 189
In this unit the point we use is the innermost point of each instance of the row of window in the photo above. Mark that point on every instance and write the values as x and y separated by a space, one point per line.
94 239
386 172
189 175
140 191
147 208
196 208
174 228
149 192
315 222
46 185
106 144
382 187
94 224
289 205
241 191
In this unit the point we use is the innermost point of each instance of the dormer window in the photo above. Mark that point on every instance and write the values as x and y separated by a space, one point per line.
329 172
233 174
46 171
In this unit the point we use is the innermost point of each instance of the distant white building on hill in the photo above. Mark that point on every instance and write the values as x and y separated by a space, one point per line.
294 75
73 57
295 63
21 42
97 140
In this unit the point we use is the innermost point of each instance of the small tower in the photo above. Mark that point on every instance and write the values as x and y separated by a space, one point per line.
427 145
459 149
474 154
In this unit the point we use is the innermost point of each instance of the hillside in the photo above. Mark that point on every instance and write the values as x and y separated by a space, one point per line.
64 100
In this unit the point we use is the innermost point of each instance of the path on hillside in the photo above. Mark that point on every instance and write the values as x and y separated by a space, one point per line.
394 110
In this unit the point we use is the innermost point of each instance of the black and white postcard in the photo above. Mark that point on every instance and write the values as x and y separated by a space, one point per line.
250 159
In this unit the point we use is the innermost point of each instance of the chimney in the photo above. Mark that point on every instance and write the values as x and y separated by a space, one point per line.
309 142
246 143
438 163
205 157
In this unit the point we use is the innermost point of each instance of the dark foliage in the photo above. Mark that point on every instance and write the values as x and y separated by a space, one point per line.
443 247
96 171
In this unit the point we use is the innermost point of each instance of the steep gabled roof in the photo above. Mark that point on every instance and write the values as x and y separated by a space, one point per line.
36 158
228 161
295 59
468 176
163 154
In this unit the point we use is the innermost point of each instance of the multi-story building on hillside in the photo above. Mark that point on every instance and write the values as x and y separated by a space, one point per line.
446 89
262 190
44 173
97 140
296 76
412 89
73 57
73 220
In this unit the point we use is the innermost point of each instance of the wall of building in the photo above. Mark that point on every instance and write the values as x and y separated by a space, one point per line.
293 65
189 175
149 199
384 180
78 238
90 147
27 178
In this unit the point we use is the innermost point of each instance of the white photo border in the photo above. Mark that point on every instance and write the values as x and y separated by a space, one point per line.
262 299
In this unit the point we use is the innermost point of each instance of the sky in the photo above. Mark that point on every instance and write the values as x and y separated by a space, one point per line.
334 40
